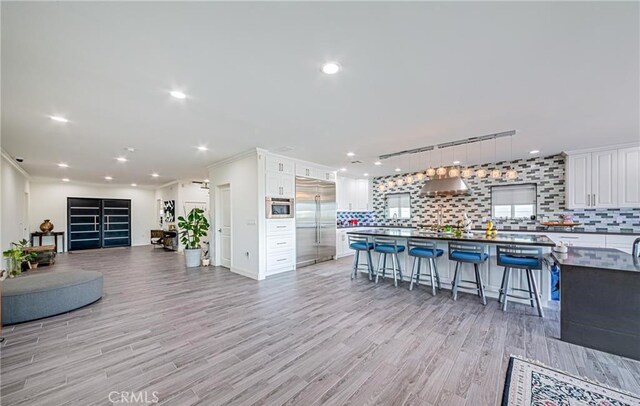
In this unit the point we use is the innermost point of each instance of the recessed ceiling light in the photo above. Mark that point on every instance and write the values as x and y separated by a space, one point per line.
178 94
59 119
456 162
377 163
343 169
108 178
330 68
63 165
65 179
398 169
155 175
134 184
131 149
533 152
206 181
366 174
121 159
203 148
350 154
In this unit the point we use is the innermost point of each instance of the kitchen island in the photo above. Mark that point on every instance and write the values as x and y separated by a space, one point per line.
491 273
600 299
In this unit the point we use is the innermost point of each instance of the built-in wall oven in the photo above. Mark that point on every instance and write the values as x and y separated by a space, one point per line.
279 208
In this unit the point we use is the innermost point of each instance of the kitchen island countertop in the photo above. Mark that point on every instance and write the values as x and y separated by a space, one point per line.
600 258
513 239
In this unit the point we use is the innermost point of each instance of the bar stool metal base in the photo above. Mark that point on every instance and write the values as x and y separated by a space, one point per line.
479 285
433 272
357 266
533 294
382 267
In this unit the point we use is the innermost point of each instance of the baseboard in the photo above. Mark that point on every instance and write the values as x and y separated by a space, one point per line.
245 273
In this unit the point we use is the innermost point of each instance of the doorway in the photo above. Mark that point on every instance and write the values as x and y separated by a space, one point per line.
223 223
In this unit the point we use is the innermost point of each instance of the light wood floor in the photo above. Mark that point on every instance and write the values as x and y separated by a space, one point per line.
210 337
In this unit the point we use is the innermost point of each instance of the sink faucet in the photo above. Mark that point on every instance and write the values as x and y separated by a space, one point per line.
395 218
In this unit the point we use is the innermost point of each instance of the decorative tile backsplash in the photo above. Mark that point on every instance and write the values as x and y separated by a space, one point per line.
365 218
546 172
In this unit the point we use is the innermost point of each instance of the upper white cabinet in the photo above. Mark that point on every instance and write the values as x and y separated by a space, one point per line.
629 177
280 181
280 165
603 179
604 176
578 181
353 194
310 171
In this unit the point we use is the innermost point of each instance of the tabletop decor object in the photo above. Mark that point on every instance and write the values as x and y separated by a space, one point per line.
46 226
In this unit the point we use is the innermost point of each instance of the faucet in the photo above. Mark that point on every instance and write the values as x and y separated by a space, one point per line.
395 219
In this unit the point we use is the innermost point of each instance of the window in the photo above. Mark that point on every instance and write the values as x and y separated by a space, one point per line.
399 205
513 201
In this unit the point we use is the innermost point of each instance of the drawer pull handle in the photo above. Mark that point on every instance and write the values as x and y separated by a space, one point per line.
281 243
281 226
281 259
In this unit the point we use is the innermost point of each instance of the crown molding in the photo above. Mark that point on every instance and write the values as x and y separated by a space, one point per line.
13 163
233 158
603 148
43 179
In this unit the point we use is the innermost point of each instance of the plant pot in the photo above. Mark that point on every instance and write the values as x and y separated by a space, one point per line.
192 257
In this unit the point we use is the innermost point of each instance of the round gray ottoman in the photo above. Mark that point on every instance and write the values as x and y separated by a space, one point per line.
33 297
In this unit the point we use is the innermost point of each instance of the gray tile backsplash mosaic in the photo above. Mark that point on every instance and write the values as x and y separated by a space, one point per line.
546 172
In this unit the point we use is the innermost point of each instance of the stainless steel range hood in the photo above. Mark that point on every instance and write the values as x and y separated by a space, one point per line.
445 186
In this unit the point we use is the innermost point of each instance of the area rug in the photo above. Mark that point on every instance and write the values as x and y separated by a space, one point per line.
531 383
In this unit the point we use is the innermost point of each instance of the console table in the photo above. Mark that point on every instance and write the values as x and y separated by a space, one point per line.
54 234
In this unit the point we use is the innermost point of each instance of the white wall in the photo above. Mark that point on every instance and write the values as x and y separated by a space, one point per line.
242 175
49 201
15 216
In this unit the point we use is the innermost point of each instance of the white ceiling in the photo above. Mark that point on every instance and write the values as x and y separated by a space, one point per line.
564 75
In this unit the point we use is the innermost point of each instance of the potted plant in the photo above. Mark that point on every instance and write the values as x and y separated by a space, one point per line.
192 229
33 260
16 257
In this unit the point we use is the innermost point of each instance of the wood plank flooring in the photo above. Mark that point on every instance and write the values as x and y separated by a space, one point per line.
311 337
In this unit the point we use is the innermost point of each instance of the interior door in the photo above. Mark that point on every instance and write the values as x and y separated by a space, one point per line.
225 226
84 226
306 222
327 220
116 223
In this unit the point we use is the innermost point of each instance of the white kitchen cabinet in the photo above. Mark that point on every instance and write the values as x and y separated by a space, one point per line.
279 165
280 185
629 177
353 194
603 179
579 240
623 243
604 176
280 245
310 171
578 181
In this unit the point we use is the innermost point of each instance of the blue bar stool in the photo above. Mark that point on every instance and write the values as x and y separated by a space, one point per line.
421 249
361 243
523 258
471 253
385 246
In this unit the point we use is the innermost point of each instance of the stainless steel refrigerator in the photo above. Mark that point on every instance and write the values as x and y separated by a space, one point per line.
315 221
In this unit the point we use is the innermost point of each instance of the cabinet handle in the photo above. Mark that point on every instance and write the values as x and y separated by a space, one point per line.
281 226
593 199
280 243
281 259
588 199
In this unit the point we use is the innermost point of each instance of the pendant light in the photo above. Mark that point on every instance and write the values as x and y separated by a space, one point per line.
511 173
466 172
495 173
481 173
409 178
431 172
441 171
454 172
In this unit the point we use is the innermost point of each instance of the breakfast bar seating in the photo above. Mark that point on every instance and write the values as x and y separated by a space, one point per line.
360 244
422 249
385 246
471 253
527 259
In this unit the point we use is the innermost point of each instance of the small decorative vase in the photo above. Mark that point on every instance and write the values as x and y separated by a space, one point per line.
46 226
